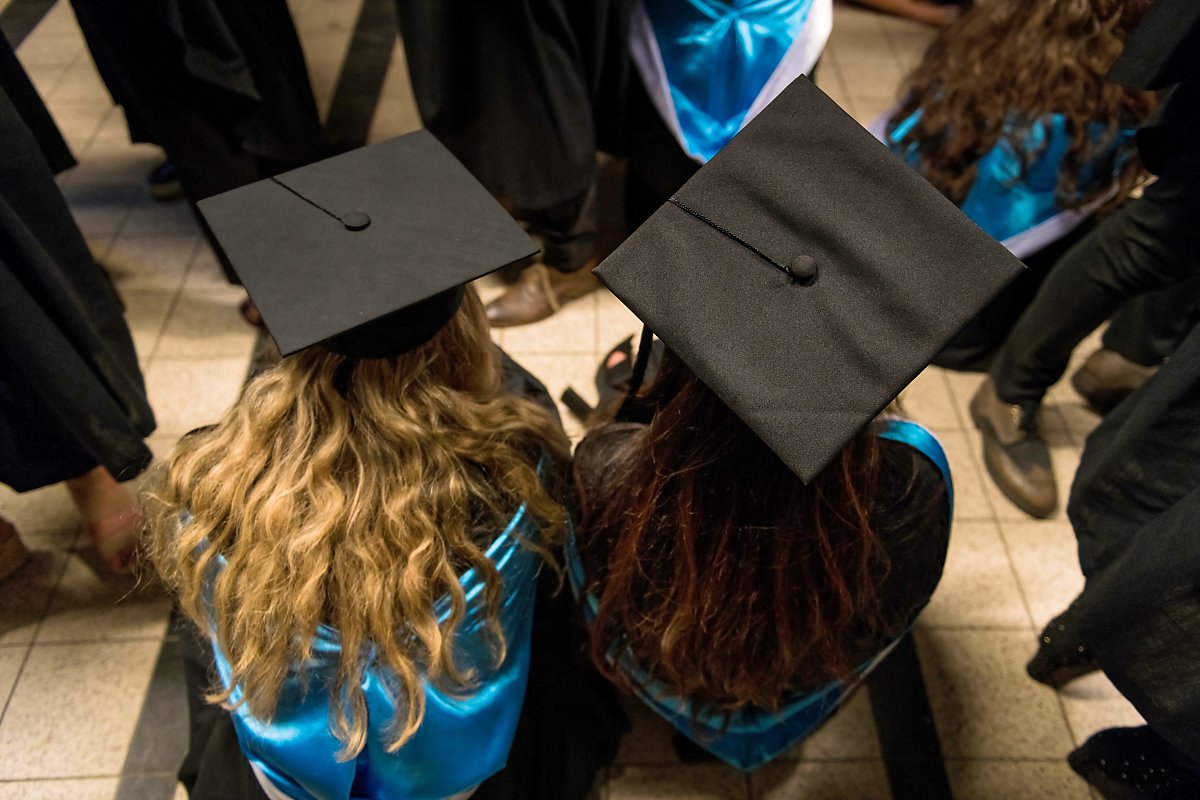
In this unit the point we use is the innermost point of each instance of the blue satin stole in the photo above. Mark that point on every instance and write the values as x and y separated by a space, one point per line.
461 741
752 736
1003 201
718 55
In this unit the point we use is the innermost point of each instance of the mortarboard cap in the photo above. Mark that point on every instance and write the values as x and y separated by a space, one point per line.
806 275
366 252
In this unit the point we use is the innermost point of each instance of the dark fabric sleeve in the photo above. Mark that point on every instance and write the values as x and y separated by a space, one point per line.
66 344
571 721
521 382
913 519
33 111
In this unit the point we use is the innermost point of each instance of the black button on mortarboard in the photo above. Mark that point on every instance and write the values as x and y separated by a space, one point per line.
804 270
355 221
906 272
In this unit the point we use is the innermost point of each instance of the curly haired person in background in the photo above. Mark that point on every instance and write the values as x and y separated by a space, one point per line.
1009 115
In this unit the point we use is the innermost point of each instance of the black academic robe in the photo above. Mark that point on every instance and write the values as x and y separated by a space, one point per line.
33 111
1135 505
523 93
71 393
220 85
1164 52
1136 498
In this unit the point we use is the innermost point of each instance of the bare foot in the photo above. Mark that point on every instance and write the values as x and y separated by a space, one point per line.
111 515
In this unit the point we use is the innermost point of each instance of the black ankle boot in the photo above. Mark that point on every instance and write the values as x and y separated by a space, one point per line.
1062 656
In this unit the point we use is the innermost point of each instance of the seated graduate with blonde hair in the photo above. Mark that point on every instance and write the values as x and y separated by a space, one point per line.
359 538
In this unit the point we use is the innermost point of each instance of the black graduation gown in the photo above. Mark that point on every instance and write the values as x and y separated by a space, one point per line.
33 111
1135 505
1136 498
221 85
71 394
523 93
1164 51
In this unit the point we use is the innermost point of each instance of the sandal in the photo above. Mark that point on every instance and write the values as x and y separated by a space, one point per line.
12 552
616 376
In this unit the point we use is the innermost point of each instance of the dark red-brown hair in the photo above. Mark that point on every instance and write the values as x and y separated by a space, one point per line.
730 580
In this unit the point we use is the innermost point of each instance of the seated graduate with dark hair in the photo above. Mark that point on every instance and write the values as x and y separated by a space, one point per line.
358 541
754 534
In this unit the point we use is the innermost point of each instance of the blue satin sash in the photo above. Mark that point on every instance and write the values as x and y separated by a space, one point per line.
752 736
718 55
462 739
1007 198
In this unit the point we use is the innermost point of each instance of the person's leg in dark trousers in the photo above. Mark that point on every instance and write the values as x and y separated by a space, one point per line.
657 166
973 348
1148 329
1142 335
568 233
1149 244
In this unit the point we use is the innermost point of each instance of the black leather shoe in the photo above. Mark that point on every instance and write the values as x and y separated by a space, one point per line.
1062 656
1135 764
1014 452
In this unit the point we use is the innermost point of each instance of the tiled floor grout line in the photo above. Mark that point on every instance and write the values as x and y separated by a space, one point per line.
174 301
841 81
62 570
16 679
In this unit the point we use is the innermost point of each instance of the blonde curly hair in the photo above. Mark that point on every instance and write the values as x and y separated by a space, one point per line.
353 493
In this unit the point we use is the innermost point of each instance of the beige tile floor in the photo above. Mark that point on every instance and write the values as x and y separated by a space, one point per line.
77 648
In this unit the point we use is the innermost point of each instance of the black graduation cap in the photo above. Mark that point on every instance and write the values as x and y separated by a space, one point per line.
806 275
366 252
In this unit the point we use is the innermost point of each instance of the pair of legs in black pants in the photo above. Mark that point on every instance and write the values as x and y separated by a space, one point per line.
1151 243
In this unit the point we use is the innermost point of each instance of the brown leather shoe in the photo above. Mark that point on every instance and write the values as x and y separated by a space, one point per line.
1016 456
1107 378
539 293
